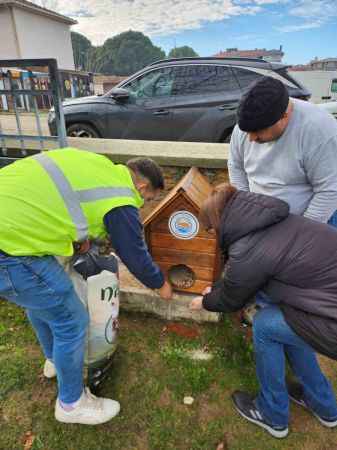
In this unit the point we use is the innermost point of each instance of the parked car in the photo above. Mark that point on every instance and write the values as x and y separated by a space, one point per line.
184 99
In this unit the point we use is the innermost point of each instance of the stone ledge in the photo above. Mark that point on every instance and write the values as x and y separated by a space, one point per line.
181 154
147 301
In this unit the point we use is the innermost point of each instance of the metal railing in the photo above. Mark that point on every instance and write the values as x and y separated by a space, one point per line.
17 94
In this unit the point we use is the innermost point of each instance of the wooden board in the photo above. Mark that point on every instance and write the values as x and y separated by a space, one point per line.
196 245
170 255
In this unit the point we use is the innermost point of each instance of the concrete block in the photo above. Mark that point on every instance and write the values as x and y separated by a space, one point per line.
144 300
176 154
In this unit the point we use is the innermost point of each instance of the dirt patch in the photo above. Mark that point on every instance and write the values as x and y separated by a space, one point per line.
314 445
135 322
181 330
10 413
328 366
165 398
212 405
209 411
223 445
302 421
33 351
142 442
45 391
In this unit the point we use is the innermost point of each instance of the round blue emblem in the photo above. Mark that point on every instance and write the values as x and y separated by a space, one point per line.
183 225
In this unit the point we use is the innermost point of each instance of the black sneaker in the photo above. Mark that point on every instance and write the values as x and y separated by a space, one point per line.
295 391
244 404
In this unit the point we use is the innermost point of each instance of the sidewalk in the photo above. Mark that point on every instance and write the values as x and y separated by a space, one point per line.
28 123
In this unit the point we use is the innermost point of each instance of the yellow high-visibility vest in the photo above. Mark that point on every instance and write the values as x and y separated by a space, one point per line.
51 200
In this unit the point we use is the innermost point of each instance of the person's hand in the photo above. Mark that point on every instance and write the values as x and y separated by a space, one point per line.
82 247
166 291
196 304
207 290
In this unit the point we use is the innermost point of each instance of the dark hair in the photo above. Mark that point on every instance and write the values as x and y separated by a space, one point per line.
212 208
147 168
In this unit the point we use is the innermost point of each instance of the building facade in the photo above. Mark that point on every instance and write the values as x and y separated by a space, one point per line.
30 31
324 64
268 55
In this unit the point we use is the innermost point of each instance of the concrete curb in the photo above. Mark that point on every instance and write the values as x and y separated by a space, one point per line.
181 154
147 301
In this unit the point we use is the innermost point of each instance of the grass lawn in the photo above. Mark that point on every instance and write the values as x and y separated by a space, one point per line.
151 376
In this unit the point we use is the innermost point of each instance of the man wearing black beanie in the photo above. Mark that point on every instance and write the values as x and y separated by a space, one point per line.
265 105
285 148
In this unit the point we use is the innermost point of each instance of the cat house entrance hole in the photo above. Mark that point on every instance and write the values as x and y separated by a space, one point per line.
181 276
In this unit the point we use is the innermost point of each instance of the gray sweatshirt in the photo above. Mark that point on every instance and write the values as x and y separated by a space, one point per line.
300 167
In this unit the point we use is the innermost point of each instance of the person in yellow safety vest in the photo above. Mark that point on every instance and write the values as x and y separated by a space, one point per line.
48 203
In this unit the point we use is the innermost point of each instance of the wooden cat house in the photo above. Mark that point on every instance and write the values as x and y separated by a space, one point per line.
187 254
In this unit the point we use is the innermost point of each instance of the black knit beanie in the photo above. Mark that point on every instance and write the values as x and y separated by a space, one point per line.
263 105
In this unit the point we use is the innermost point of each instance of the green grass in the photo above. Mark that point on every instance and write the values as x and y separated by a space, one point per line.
151 376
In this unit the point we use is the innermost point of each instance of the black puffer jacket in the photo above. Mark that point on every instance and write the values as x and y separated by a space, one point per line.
291 258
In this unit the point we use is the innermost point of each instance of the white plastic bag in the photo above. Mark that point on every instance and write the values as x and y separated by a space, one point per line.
100 294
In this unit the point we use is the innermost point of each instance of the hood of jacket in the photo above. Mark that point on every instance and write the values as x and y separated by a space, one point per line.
246 213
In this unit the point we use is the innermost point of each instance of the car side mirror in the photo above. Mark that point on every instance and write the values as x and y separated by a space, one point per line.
119 94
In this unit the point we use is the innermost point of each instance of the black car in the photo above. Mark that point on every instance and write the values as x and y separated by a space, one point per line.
185 99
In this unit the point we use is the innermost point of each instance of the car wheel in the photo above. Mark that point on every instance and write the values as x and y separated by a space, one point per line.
82 130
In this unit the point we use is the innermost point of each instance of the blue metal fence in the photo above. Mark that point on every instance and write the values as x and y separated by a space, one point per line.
12 93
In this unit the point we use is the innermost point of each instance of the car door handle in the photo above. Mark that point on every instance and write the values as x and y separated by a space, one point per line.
161 112
229 106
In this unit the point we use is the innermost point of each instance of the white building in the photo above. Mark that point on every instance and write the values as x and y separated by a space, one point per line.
30 31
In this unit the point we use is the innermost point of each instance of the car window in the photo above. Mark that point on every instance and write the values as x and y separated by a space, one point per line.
156 83
246 77
203 79
334 85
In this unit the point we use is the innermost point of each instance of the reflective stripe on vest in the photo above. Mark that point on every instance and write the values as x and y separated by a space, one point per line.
91 195
72 199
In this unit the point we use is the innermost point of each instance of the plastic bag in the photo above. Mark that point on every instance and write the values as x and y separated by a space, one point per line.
98 289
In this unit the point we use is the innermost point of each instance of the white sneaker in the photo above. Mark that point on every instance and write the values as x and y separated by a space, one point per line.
90 410
49 370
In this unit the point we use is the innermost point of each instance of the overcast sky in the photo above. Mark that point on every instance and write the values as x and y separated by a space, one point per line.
305 28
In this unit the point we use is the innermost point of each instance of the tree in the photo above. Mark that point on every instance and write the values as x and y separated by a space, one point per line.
82 50
182 52
126 53
123 54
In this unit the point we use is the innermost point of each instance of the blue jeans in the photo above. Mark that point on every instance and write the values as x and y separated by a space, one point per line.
333 220
58 316
273 341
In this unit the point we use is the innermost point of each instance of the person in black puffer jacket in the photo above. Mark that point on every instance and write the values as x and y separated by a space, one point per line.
293 260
